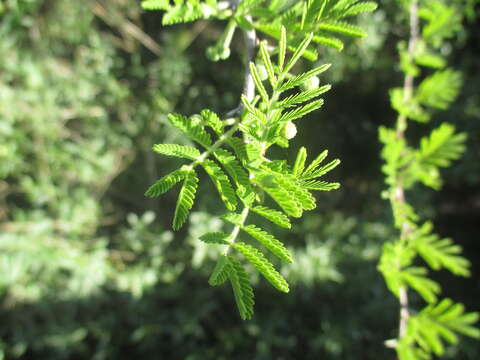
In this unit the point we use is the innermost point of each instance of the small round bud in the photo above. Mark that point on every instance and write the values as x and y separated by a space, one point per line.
223 5
290 130
207 10
196 119
262 72
216 53
224 53
310 84
212 53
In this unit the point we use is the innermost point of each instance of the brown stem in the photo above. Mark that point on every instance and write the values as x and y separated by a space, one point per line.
408 83
250 42
250 37
115 19
408 87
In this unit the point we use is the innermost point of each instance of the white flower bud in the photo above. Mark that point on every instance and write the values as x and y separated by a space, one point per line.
310 84
262 72
290 130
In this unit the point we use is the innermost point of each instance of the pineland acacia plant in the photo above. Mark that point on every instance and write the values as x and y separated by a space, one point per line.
233 150
422 333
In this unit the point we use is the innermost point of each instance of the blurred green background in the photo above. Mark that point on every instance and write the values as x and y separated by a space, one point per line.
88 266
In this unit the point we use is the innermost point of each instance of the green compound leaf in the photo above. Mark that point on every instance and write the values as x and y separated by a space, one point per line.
302 47
192 128
452 315
416 278
233 218
314 171
181 151
424 57
440 89
394 257
359 8
254 153
407 350
213 121
182 12
280 195
253 111
320 171
343 28
282 48
238 146
233 167
329 41
280 166
442 146
275 216
156 4
439 323
442 21
301 111
437 150
185 199
274 30
439 253
410 109
300 79
166 183
258 82
301 97
220 272
312 12
248 4
317 161
262 265
319 185
242 289
303 197
395 153
299 165
219 238
268 64
222 183
267 240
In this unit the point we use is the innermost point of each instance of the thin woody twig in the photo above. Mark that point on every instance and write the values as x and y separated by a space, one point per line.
250 37
400 132
126 26
250 42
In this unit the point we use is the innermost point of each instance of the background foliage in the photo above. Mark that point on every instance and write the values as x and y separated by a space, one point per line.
88 267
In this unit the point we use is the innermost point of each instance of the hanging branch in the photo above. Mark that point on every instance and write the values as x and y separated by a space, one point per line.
408 88
404 167
234 149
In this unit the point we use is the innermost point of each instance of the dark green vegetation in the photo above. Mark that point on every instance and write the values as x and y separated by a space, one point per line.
88 271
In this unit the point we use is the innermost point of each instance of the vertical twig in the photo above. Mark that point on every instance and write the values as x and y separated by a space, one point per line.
250 42
408 87
250 37
249 92
408 82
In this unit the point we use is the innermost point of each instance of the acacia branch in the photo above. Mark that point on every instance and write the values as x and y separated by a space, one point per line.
408 87
250 42
408 83
250 37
